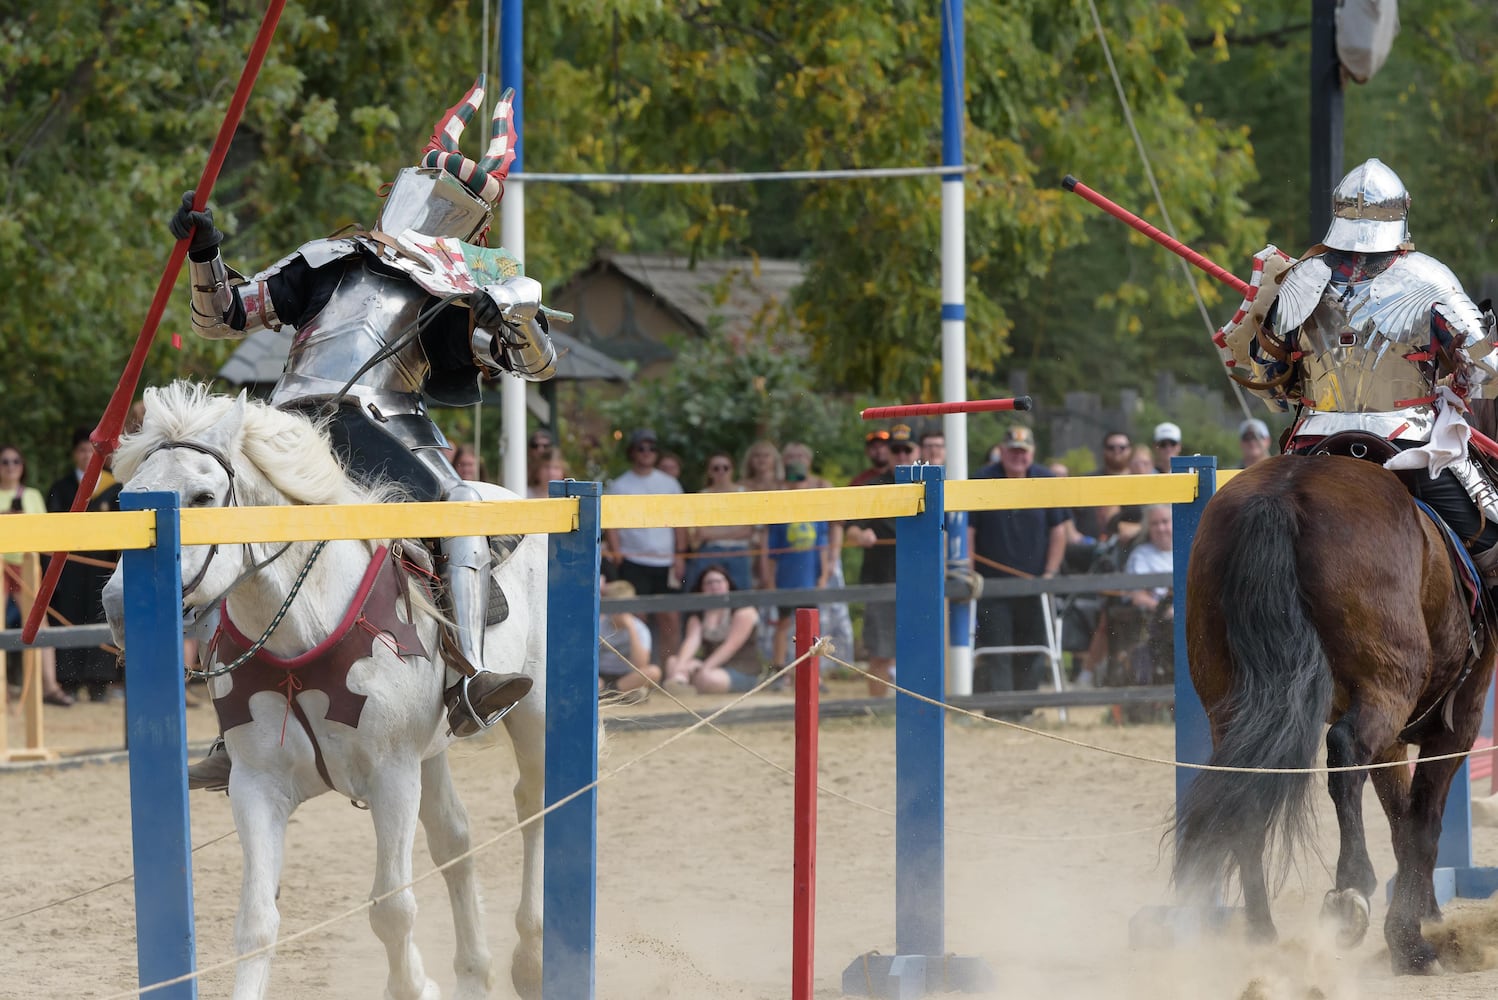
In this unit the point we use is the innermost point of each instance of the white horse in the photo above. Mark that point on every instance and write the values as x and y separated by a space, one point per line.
214 451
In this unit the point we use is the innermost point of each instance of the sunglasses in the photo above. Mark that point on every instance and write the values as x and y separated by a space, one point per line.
1167 444
645 446
719 468
540 444
1116 447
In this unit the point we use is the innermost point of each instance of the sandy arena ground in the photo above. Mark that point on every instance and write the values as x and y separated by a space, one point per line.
1051 849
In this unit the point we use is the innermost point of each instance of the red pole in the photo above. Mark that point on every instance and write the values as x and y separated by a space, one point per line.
804 867
1170 243
107 434
932 409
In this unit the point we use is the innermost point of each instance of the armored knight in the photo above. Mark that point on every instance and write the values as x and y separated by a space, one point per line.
383 316
1366 334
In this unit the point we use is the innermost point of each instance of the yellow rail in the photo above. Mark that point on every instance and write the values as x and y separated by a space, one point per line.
136 529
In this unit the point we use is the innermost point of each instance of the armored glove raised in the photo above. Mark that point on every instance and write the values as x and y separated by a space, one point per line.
199 225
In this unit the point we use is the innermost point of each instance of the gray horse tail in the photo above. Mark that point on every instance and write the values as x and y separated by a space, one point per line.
1279 695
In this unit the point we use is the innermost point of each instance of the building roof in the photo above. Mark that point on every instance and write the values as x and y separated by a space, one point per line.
731 292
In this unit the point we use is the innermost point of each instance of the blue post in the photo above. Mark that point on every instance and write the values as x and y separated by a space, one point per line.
511 69
156 728
920 753
1193 737
570 892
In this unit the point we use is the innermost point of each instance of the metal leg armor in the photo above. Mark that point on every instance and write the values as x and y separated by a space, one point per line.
476 702
1484 552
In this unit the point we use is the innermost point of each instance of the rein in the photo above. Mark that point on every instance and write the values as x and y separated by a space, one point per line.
275 621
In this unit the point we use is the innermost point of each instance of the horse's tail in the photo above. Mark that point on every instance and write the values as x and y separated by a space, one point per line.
1279 692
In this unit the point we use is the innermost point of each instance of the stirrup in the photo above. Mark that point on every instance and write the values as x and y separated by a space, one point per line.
212 772
464 718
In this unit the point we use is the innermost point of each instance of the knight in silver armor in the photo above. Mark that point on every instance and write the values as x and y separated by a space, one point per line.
1367 334
412 306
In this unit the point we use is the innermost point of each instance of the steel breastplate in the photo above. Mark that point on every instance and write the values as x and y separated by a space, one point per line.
366 312
1366 343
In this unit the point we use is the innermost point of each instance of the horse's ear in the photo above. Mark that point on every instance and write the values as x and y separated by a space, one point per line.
226 431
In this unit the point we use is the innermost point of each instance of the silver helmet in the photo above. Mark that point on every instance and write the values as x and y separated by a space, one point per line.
434 203
1369 209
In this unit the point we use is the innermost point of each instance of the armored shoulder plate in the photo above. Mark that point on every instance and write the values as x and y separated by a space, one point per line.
316 254
1400 300
1301 291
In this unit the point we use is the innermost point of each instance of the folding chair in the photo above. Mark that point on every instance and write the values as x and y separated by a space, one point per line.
1052 648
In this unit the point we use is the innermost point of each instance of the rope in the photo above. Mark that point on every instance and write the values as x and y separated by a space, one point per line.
816 650
1166 762
1149 174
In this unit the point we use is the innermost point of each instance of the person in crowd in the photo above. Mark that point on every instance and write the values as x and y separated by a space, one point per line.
1007 544
1144 627
1101 523
539 443
1167 445
876 536
876 449
1253 442
729 545
670 463
718 652
387 318
835 622
544 467
762 469
653 559
796 557
623 645
1142 461
466 464
1058 468
60 494
18 498
934 447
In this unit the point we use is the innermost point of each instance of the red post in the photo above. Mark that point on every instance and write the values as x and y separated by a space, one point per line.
804 869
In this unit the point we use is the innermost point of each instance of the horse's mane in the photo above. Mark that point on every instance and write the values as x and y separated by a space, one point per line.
290 453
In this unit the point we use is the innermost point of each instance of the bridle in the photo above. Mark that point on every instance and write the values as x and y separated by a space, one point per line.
252 566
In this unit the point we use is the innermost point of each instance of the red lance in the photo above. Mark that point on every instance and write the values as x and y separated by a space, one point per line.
106 436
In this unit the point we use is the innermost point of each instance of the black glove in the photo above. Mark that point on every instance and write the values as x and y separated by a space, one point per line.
486 312
205 235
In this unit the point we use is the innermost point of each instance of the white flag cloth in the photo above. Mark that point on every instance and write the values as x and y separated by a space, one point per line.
1448 441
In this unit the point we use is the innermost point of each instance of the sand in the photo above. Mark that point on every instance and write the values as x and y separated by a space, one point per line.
1051 850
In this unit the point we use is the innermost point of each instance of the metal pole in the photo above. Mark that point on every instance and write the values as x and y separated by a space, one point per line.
1193 736
954 326
569 909
512 237
1326 114
156 724
920 749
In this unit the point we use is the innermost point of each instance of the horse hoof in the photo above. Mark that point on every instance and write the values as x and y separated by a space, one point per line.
1347 909
1421 960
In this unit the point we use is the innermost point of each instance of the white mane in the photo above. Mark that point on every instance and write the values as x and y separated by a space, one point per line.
285 452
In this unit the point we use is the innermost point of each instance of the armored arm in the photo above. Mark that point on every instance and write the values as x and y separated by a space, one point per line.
223 306
510 331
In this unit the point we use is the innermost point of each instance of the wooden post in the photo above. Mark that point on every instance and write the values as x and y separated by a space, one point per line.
31 673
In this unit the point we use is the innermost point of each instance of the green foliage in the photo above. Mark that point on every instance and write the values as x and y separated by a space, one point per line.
725 392
109 111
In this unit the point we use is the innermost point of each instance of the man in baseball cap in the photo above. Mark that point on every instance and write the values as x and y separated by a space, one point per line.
1166 444
1253 441
876 447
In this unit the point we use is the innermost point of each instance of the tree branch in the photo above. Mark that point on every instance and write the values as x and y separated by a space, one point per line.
1276 37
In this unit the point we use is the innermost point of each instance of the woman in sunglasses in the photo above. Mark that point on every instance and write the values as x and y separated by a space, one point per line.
18 498
727 546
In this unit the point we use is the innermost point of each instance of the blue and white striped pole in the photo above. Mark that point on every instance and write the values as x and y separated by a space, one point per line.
512 237
954 327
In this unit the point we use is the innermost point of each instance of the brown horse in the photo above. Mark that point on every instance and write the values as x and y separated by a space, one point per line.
1318 592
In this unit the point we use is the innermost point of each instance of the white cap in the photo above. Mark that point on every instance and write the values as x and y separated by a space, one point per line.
1253 427
1167 432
